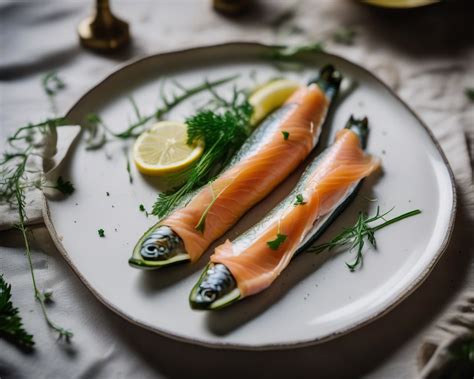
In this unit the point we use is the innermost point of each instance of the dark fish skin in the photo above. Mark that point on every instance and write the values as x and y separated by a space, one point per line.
215 283
162 244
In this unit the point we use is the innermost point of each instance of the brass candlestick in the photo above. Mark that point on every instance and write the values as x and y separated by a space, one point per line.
103 31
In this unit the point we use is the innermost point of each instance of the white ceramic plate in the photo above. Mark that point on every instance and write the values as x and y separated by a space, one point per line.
316 298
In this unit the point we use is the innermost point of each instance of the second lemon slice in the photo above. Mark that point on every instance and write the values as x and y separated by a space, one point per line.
270 96
163 149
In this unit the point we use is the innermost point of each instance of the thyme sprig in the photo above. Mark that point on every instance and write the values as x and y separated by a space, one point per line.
355 236
11 325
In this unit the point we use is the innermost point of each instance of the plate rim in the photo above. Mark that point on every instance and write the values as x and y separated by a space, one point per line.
271 346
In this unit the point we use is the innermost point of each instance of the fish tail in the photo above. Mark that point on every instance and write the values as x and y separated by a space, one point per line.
329 80
360 126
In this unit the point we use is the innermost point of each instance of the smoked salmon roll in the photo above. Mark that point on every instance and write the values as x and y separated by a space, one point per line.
270 154
251 262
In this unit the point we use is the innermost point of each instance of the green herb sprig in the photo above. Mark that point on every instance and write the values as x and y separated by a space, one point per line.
28 141
52 84
39 295
200 226
285 53
355 236
98 130
223 131
11 325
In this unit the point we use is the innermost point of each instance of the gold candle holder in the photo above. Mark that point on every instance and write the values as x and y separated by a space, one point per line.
103 31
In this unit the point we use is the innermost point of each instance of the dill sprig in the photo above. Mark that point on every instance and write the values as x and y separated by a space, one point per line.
13 163
98 130
15 172
355 236
223 130
11 325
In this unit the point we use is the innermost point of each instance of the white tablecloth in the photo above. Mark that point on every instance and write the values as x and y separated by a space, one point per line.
426 55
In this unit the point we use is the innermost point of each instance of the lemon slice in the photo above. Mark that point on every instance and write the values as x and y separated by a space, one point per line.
163 149
270 96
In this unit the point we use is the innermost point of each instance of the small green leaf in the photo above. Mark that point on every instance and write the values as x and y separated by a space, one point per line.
299 200
101 232
142 209
275 244
64 187
285 135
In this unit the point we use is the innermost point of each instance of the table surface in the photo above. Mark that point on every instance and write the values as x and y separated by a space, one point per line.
425 55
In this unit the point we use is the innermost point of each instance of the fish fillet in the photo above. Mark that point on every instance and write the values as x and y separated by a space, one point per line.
258 265
247 182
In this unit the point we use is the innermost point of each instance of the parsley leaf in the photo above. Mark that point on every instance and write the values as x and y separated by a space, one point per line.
101 232
299 200
285 135
275 244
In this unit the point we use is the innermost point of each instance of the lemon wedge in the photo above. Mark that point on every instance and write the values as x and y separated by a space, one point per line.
268 97
163 149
